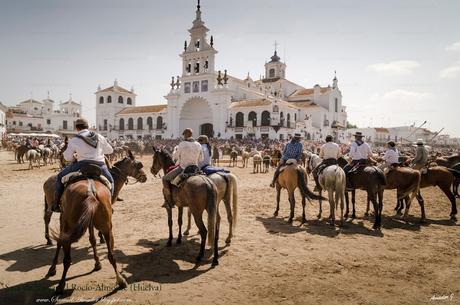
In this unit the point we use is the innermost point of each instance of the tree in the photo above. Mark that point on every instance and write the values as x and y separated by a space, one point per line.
349 125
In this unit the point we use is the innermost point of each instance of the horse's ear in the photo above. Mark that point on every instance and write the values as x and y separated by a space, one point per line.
130 154
154 148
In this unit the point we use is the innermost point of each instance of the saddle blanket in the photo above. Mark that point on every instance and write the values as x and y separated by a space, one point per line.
67 178
288 162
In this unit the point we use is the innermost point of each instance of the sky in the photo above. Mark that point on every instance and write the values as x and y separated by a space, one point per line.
398 62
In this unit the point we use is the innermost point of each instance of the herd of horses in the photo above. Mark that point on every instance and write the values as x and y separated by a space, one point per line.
87 204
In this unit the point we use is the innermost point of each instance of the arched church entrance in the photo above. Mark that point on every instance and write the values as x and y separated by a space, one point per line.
196 114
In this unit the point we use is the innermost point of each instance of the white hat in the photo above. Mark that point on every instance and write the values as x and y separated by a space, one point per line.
419 142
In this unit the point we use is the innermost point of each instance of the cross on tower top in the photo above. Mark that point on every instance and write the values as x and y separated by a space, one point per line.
276 46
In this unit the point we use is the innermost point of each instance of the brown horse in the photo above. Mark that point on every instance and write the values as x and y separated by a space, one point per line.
20 152
233 158
276 157
291 178
198 193
86 205
127 167
436 176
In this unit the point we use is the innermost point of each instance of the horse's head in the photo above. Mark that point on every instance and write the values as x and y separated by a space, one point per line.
129 166
161 160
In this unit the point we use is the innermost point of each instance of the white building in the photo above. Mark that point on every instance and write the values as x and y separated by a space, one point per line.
33 115
217 104
401 134
3 111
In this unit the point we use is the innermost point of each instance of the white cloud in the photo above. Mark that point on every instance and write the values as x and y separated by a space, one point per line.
399 67
454 47
400 95
450 72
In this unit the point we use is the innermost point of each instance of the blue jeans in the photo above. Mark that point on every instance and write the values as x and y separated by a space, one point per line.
76 166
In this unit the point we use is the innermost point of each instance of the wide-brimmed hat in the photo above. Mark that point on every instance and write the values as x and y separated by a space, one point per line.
419 142
391 143
358 134
297 135
82 122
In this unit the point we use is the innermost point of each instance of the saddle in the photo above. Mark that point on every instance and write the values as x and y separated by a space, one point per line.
326 163
358 167
288 163
89 171
189 171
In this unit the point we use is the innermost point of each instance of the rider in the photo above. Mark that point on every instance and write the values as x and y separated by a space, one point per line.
391 156
329 152
293 150
360 152
188 152
421 156
204 142
85 148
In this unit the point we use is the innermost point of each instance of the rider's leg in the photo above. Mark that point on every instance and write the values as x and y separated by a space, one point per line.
277 172
167 187
108 175
59 187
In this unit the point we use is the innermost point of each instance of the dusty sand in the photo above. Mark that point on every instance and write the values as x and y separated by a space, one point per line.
269 260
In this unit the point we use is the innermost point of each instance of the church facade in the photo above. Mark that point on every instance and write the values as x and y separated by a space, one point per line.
217 104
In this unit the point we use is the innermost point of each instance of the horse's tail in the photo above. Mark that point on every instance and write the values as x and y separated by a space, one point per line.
381 176
233 187
306 192
211 207
454 172
86 220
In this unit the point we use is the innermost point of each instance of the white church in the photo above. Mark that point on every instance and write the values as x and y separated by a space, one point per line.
220 105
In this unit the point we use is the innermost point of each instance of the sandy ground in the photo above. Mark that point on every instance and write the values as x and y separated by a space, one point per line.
269 260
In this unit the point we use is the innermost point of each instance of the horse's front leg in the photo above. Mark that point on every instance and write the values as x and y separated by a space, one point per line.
292 204
189 224
367 208
170 223
278 194
52 269
179 221
353 202
320 205
347 202
304 218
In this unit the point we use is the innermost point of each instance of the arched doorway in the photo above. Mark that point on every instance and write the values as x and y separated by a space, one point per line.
196 114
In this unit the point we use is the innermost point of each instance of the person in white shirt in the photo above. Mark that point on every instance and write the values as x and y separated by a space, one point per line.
85 148
391 156
329 152
187 153
360 152
204 142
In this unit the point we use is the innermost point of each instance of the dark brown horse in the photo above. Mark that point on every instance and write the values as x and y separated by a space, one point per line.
198 193
20 152
86 205
372 180
233 158
127 167
276 157
441 177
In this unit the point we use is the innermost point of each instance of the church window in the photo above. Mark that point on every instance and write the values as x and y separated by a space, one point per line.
252 117
249 85
160 122
295 117
150 123
204 86
271 73
140 124
336 105
109 99
197 45
275 108
20 123
120 99
187 88
289 120
105 125
197 67
101 100
265 118
196 86
239 119
188 69
48 122
121 124
129 101
206 65
130 124
64 124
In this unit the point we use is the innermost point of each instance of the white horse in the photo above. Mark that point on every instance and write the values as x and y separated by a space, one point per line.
257 163
33 156
331 179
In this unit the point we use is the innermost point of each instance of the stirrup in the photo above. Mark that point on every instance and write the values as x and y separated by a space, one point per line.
272 184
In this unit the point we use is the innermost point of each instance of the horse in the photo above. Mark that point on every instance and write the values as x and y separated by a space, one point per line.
441 177
448 161
257 163
33 156
120 171
333 180
20 152
266 163
456 167
245 158
215 155
372 180
86 205
276 157
290 178
233 158
47 155
198 193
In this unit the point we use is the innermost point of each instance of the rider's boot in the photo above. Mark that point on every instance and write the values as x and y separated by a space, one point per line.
56 204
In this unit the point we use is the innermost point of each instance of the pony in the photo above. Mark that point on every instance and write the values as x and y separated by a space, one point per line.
33 156
20 152
276 157
127 167
257 163
333 180
290 178
245 158
47 155
198 193
233 158
266 163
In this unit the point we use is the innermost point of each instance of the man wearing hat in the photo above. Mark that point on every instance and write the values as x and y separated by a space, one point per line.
187 153
421 155
293 150
391 156
360 152
329 152
86 147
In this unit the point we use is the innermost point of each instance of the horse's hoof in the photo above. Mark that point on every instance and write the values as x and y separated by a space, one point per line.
59 290
289 220
198 259
186 233
366 214
304 221
228 240
169 243
275 214
97 266
215 262
453 218
122 284
49 243
422 220
179 241
318 216
345 216
51 272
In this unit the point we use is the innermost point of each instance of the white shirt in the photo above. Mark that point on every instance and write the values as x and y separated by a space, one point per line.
360 152
391 156
330 150
188 153
86 152
206 156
